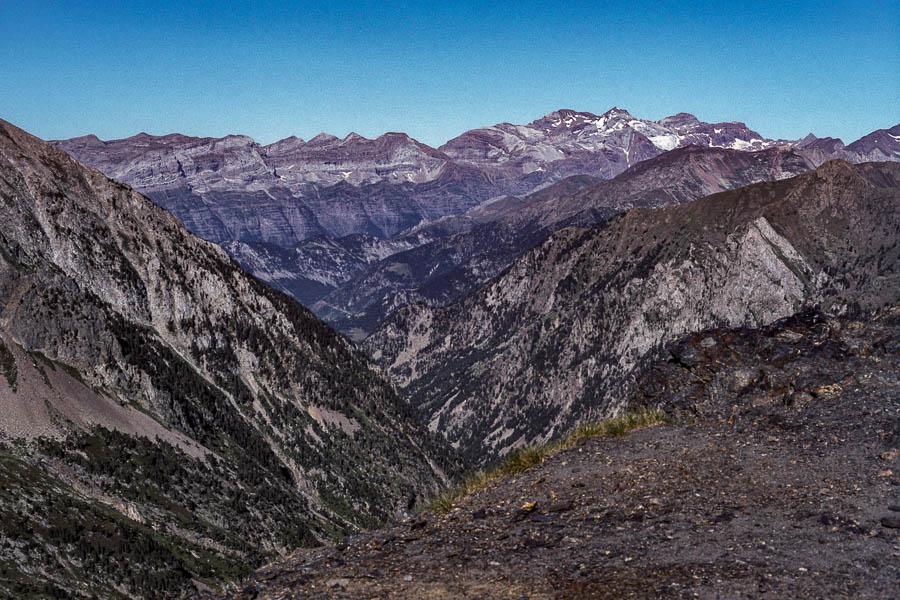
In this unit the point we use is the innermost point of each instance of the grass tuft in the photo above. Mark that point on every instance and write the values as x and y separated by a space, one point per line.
522 458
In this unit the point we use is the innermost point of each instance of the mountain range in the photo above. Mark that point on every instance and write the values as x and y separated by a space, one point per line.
559 336
321 220
450 267
168 420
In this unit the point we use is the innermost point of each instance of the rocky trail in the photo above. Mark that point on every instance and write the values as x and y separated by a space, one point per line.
782 480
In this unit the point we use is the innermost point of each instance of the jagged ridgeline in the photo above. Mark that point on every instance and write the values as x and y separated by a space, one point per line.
166 420
560 335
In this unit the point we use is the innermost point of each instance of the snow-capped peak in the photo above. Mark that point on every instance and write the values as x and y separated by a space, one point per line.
616 112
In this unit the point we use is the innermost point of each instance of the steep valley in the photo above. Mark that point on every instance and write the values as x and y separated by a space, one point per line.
776 477
169 422
438 272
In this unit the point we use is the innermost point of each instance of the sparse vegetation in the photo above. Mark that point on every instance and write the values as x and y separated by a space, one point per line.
523 458
8 366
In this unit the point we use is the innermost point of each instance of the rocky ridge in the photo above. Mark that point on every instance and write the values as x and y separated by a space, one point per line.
157 398
450 267
292 194
299 189
559 335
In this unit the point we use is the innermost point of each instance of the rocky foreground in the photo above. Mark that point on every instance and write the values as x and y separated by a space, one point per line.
781 479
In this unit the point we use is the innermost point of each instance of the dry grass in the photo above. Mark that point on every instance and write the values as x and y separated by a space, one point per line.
523 458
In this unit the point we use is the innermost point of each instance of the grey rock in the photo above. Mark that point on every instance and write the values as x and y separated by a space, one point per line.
558 336
129 332
445 269
251 198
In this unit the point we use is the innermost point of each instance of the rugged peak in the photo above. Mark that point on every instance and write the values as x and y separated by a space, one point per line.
616 112
238 139
564 117
323 138
679 120
795 223
880 145
288 142
86 139
558 114
353 136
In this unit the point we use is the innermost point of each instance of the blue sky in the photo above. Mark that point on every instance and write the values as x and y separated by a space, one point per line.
434 70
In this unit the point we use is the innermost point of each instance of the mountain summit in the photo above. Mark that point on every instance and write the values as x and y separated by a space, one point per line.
234 189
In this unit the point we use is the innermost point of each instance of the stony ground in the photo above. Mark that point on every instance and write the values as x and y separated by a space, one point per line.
782 481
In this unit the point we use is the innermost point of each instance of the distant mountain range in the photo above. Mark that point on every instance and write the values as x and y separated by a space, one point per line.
159 406
450 267
233 189
326 220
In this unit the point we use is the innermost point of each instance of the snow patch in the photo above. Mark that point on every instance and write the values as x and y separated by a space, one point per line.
665 142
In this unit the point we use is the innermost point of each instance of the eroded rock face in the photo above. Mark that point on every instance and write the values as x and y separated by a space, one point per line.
565 141
880 145
558 336
493 191
233 189
168 381
447 268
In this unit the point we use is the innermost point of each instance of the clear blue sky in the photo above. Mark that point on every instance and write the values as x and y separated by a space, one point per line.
434 70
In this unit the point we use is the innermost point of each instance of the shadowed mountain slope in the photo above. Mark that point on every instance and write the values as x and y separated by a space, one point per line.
783 485
173 403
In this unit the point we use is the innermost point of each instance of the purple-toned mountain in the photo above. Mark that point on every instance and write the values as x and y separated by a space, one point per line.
234 189
447 268
880 145
166 408
567 142
320 219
